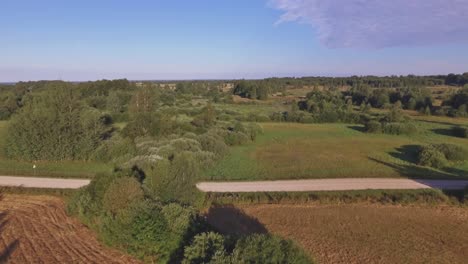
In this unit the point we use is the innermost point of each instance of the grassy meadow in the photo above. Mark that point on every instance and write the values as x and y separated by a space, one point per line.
293 151
61 169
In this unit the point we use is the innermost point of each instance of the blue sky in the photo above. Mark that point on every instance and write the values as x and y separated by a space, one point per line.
144 39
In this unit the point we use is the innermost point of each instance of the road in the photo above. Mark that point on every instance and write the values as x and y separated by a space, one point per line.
331 185
35 182
262 186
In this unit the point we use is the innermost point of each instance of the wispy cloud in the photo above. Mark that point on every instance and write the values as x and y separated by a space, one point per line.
380 23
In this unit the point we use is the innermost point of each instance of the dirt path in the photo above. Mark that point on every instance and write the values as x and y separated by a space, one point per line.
35 229
36 182
330 185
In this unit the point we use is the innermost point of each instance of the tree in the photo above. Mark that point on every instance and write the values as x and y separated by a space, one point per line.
203 248
121 193
55 125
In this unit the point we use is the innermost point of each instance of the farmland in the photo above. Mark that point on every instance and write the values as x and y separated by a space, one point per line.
358 233
293 151
35 229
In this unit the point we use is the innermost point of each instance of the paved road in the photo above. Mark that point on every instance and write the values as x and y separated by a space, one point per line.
33 182
330 185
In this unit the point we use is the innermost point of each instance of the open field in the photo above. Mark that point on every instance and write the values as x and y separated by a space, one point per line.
358 233
61 169
35 229
292 151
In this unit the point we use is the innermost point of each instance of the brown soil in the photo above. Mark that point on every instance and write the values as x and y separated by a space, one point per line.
35 229
361 233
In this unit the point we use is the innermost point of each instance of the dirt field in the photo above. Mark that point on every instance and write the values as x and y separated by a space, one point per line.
35 229
358 233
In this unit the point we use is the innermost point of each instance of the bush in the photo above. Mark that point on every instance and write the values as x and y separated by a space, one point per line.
399 128
213 143
459 131
451 152
373 127
121 194
268 249
114 148
203 248
430 156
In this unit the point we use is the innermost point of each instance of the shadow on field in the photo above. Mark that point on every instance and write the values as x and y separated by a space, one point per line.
443 132
232 221
361 129
418 172
8 249
407 153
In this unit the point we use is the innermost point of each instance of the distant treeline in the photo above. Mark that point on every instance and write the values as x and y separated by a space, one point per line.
378 82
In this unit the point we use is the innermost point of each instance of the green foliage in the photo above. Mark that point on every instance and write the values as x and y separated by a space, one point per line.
373 127
451 152
55 126
203 248
404 128
149 124
430 156
424 196
122 193
253 89
268 249
114 148
206 118
211 248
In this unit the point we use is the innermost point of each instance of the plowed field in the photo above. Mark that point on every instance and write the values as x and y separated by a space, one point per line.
35 229
358 233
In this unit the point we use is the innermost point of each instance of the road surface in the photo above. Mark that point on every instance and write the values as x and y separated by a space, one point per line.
35 182
331 185
262 186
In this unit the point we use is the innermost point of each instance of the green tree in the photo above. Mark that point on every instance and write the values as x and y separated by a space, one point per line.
203 248
54 125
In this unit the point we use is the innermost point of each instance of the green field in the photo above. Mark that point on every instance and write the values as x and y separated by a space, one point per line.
61 169
293 151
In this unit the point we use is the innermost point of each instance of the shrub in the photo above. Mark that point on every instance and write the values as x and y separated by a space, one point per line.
399 128
114 148
451 152
373 127
430 156
203 248
213 143
236 138
268 249
121 193
459 131
141 230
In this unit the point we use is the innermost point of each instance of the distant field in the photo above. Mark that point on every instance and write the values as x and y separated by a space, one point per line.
358 233
289 151
62 169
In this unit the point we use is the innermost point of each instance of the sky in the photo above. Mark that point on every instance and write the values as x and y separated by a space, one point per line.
230 39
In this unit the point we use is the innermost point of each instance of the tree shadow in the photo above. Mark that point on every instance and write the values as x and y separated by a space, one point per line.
425 175
407 153
230 220
361 129
443 132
